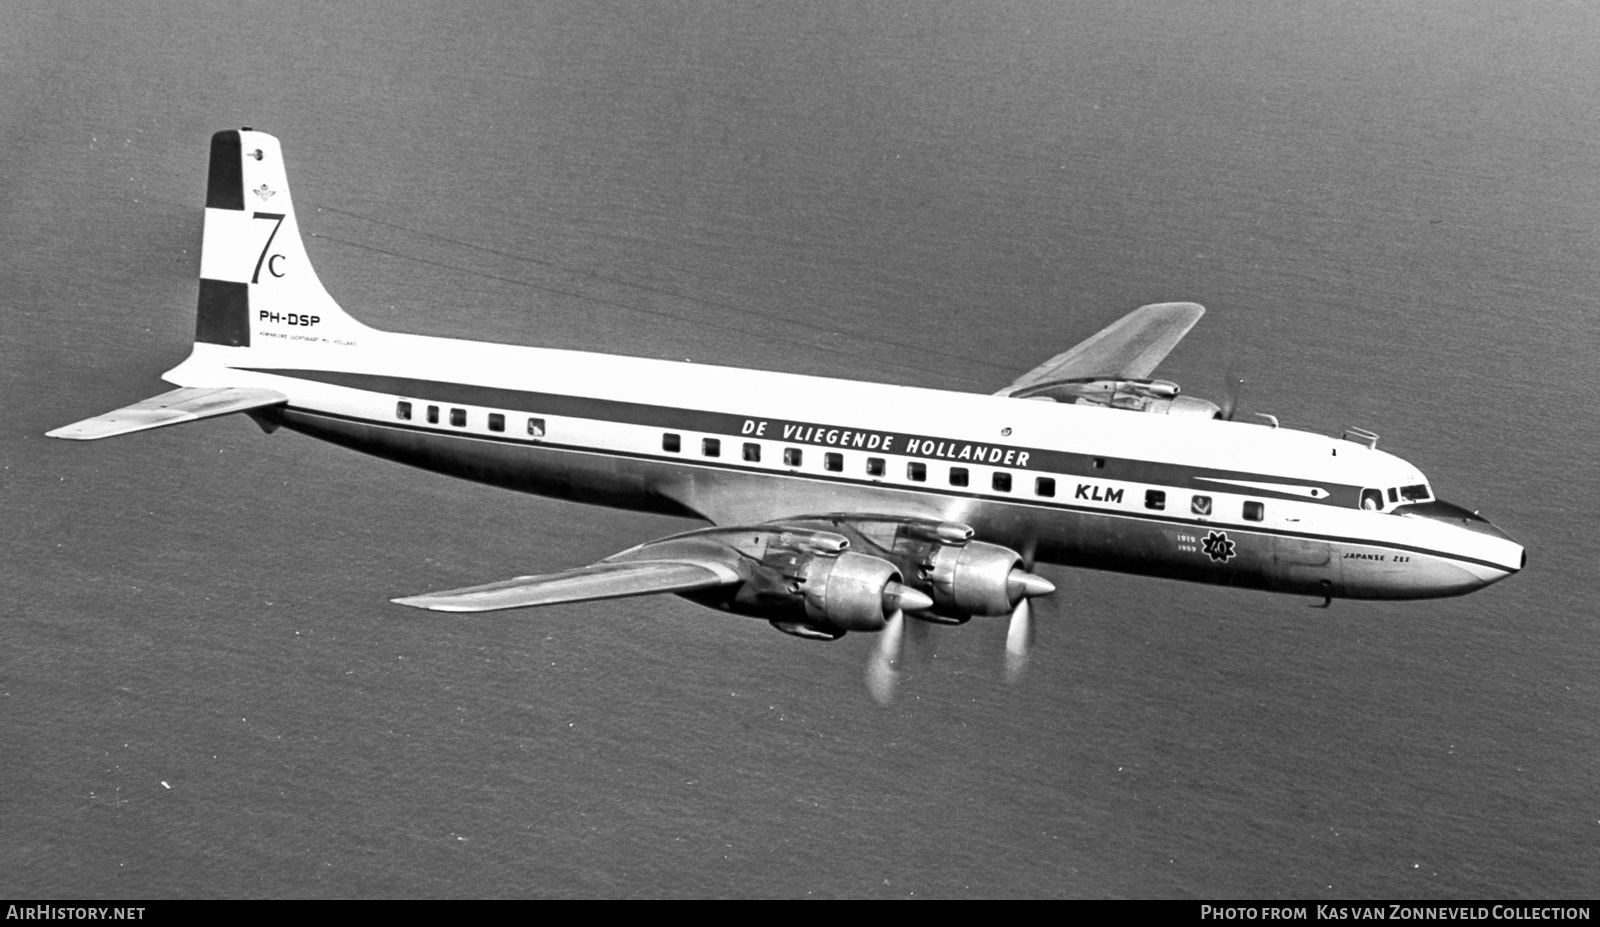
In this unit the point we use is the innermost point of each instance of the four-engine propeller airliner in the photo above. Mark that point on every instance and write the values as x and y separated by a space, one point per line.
833 505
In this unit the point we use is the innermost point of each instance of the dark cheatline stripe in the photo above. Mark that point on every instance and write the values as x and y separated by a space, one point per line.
1081 466
225 182
223 315
1023 501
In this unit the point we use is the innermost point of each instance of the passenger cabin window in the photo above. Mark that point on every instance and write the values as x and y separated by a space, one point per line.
402 410
497 421
1045 486
1001 482
833 461
752 453
671 442
1155 499
791 457
458 418
1099 463
1372 500
1254 511
535 427
1200 505
917 472
875 466
711 447
433 415
958 476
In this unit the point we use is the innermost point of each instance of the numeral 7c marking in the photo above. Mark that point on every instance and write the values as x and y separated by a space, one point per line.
256 277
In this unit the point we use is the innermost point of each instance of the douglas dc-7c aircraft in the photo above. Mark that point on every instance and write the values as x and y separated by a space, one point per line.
834 505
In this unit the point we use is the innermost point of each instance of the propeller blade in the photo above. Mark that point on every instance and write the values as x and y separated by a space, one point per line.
1019 637
920 646
883 669
1230 397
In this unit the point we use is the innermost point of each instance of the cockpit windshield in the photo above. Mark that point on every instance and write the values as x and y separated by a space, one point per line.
1372 499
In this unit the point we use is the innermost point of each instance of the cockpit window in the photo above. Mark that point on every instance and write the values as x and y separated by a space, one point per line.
1372 500
1417 493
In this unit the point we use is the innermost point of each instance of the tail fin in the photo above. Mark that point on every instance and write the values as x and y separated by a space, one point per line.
256 282
258 295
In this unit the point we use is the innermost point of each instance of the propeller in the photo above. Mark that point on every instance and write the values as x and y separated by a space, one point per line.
883 669
1019 636
1230 396
919 644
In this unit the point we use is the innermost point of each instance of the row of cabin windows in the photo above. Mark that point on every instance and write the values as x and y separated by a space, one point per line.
833 462
458 418
917 472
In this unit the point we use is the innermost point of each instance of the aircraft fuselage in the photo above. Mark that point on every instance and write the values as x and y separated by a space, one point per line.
1209 501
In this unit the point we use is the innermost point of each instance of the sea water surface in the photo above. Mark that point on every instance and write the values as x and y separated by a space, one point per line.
1391 212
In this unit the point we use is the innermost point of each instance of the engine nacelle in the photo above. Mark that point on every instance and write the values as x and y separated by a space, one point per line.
1159 397
1186 406
847 592
974 579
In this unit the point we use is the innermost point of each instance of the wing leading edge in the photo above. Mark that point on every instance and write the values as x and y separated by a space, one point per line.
1131 347
604 580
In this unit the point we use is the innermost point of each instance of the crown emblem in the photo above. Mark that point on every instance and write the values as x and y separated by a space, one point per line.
263 192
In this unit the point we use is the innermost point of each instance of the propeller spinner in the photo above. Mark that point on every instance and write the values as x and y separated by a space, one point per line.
883 669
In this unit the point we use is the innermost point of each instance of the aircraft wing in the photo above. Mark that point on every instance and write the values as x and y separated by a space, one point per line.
603 580
1130 347
173 408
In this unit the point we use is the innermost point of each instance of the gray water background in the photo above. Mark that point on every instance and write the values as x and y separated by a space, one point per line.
1390 210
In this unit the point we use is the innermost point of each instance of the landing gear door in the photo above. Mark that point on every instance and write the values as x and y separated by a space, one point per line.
1305 565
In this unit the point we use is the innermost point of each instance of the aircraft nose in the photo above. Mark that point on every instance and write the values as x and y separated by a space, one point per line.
1480 538
1516 556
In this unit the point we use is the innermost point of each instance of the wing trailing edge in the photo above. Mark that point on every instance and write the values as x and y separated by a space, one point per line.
173 408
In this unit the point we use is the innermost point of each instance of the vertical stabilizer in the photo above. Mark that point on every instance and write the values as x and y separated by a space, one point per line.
257 286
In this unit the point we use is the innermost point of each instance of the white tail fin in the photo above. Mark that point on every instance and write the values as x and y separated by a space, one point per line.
256 282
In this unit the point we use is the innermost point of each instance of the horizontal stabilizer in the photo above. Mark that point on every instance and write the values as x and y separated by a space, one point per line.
599 581
1131 347
174 408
